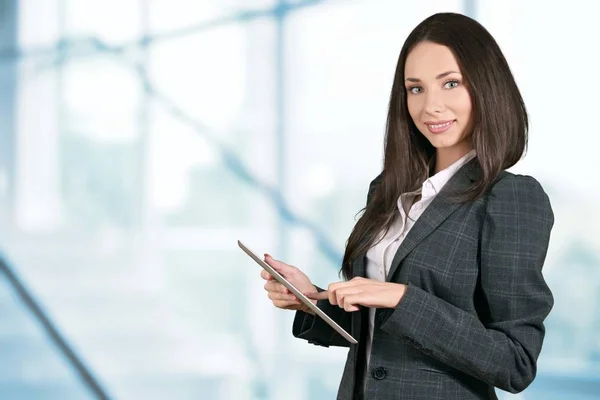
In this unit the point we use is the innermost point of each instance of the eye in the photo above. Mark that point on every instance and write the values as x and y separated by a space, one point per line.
415 89
450 84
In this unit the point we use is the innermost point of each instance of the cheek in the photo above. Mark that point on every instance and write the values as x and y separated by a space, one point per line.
463 106
414 109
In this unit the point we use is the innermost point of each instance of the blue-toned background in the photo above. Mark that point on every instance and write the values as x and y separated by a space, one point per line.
139 139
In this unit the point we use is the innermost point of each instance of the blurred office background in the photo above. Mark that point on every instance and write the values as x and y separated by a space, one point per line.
139 139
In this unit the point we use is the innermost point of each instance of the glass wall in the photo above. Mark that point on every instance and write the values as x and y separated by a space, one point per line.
140 139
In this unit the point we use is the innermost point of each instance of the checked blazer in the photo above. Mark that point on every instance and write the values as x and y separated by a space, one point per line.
472 316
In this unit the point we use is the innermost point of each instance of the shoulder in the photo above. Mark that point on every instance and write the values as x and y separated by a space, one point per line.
375 181
373 185
509 185
521 194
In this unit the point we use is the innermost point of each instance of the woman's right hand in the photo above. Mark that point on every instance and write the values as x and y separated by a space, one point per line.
279 294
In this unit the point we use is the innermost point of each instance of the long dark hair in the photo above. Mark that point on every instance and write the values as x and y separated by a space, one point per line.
499 123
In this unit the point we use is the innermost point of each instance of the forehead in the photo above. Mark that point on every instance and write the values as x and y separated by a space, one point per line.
427 59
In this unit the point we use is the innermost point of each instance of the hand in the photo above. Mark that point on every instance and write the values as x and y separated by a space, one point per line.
279 294
362 292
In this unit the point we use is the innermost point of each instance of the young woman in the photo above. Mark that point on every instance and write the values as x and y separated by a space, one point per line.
443 271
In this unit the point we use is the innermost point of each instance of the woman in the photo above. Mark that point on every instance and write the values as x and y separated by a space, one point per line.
443 271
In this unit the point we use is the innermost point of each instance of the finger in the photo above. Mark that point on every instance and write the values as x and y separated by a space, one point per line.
332 287
281 267
351 301
353 285
273 286
285 304
266 276
343 293
332 296
317 295
354 282
331 290
276 296
269 278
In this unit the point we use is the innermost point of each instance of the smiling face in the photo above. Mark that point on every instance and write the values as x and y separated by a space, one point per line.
438 100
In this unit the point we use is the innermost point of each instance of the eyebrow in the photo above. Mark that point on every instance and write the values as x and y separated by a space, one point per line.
440 76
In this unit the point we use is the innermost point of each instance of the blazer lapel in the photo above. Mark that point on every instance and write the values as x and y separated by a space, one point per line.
359 267
440 208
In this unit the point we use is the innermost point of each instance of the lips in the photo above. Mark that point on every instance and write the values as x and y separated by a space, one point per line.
440 126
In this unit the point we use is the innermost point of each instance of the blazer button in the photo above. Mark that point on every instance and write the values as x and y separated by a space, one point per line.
379 373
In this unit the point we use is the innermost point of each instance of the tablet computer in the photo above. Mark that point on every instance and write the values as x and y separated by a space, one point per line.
305 300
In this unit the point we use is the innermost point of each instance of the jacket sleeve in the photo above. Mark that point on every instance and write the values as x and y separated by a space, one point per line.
314 329
501 348
318 332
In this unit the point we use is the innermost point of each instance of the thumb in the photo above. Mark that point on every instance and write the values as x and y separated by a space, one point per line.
278 266
317 295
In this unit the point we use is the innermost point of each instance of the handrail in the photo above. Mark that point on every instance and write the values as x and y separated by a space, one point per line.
52 331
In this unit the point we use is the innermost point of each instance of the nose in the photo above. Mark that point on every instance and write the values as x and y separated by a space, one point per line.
433 103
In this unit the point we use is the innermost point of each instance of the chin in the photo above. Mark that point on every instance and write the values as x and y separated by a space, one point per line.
445 140
442 143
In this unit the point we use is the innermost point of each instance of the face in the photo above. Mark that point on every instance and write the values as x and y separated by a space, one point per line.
437 98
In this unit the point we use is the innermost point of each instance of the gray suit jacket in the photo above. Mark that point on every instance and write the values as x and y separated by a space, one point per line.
472 316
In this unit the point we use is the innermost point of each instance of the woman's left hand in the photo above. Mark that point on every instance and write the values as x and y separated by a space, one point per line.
362 292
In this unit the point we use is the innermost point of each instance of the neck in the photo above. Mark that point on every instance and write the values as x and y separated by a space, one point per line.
445 157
